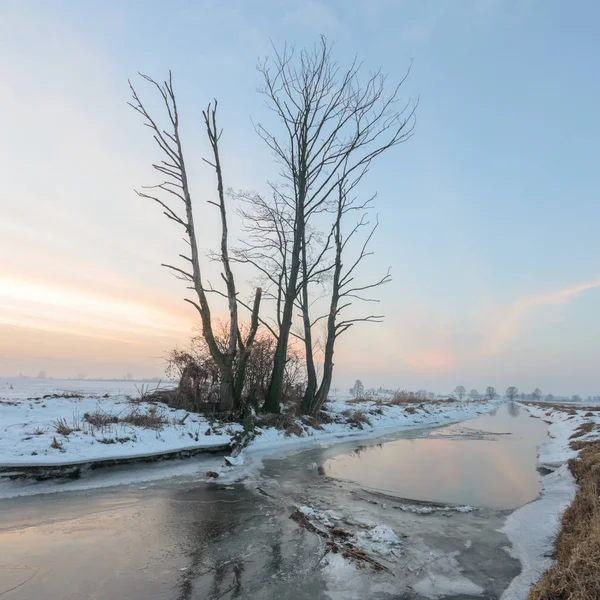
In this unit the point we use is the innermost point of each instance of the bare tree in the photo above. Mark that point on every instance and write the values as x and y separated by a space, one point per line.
474 394
491 393
174 196
460 391
511 393
536 394
333 127
358 389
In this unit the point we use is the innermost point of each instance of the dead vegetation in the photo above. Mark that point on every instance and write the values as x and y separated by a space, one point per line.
285 421
582 430
62 427
337 541
575 574
403 397
152 419
57 445
100 418
357 418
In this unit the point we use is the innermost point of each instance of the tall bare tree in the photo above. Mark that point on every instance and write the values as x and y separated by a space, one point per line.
333 126
511 393
344 289
174 196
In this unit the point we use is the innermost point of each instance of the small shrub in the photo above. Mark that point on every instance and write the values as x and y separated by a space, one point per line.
62 427
107 441
57 445
38 431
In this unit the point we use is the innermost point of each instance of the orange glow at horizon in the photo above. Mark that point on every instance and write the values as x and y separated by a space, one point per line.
67 322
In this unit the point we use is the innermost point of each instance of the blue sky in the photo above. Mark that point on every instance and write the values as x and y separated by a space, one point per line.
488 214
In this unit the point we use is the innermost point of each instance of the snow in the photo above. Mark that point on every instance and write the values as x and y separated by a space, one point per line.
28 423
380 539
427 510
29 437
532 528
384 420
438 586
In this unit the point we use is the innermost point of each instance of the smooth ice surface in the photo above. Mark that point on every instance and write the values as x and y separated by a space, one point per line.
487 461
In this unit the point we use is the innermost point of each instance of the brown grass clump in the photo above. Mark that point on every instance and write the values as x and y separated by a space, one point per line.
99 418
405 397
285 421
57 445
62 427
356 418
582 430
575 574
153 419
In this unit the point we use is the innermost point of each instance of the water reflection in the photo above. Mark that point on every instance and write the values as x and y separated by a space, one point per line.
493 465
513 409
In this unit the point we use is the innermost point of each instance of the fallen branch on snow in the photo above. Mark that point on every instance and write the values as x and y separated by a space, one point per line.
336 541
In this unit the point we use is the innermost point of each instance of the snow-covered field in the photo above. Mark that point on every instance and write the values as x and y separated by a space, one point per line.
532 528
36 416
52 423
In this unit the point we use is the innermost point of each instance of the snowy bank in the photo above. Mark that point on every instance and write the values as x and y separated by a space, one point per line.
382 418
56 423
69 431
533 527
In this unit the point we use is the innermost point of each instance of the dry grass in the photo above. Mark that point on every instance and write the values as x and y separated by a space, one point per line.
356 418
62 427
575 574
582 430
153 419
57 445
403 397
100 418
285 421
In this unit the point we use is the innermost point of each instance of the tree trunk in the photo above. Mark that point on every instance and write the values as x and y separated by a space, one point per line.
311 372
276 384
246 350
227 395
321 396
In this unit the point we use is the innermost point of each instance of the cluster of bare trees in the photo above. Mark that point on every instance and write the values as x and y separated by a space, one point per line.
307 237
513 392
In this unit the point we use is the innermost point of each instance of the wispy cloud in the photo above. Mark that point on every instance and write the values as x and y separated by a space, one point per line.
512 320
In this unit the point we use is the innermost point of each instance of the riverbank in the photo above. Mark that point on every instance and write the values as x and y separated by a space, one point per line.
64 423
556 537
228 540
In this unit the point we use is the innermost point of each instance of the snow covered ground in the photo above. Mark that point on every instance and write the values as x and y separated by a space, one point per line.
532 528
54 423
59 422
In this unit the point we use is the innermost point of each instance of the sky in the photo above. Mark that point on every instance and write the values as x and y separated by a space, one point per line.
488 214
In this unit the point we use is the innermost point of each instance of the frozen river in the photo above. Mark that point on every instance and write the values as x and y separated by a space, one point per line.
178 539
488 461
